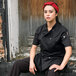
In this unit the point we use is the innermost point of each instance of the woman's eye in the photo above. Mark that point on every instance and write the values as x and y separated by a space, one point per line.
45 11
50 11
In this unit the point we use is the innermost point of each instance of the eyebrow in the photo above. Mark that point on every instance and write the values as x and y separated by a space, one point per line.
48 10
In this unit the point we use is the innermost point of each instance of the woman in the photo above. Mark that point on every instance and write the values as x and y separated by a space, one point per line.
54 43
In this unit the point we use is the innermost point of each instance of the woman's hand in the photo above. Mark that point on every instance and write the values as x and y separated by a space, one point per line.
32 68
57 67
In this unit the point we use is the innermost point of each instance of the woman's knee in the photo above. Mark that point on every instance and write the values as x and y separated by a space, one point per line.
17 63
51 73
22 64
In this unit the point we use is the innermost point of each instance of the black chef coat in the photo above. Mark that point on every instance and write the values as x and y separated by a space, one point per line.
52 44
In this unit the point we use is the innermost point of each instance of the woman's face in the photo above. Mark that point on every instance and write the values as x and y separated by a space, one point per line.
49 13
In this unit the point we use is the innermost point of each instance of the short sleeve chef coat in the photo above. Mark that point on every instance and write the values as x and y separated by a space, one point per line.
52 44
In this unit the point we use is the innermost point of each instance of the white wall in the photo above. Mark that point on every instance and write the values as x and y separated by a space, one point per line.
13 24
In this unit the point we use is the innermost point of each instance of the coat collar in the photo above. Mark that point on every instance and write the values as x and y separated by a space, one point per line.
45 27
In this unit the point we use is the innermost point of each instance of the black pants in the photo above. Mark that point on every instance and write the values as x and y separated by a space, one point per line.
22 66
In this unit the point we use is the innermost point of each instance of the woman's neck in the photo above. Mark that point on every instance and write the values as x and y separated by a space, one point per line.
50 24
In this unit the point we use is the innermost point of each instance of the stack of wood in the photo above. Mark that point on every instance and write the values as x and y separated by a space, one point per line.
1 41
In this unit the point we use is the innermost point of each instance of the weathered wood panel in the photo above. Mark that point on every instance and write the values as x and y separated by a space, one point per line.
23 21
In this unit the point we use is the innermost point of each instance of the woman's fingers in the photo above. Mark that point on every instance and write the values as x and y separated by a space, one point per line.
32 68
35 69
32 71
55 69
54 66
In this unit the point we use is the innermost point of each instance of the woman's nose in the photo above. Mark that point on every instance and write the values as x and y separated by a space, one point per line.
47 14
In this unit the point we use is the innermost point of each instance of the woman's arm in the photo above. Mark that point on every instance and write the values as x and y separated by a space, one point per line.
67 56
65 59
32 55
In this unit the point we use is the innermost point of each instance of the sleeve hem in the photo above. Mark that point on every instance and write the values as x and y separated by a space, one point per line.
67 45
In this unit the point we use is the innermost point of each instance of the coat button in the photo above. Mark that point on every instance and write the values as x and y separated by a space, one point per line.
49 57
50 38
64 37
